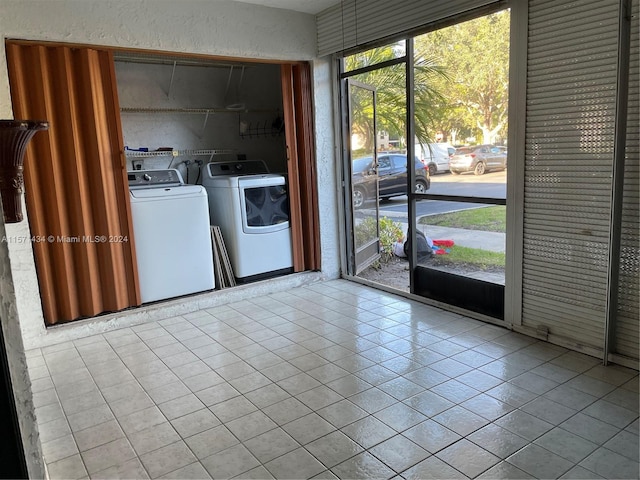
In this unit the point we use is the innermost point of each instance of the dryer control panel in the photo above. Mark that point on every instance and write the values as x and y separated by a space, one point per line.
240 167
154 178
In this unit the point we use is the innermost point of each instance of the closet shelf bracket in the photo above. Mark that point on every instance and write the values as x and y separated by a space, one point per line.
173 72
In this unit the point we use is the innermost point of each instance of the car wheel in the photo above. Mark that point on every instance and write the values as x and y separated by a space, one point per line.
358 197
421 186
432 169
455 172
480 169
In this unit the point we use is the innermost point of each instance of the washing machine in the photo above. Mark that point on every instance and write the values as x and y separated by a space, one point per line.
171 229
251 207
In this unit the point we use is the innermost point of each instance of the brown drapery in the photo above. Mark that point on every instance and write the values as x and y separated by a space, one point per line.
75 180
303 190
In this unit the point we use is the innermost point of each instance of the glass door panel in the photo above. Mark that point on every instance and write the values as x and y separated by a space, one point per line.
363 168
463 143
384 68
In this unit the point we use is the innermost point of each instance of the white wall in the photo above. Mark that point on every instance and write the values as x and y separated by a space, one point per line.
214 27
199 87
20 381
326 154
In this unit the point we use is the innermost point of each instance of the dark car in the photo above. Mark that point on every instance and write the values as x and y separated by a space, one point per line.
392 177
478 159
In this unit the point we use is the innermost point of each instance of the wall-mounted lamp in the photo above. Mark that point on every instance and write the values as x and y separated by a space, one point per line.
14 137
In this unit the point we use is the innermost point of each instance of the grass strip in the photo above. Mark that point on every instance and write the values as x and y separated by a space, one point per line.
488 219
483 259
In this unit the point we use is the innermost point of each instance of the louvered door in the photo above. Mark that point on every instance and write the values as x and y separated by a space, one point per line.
75 180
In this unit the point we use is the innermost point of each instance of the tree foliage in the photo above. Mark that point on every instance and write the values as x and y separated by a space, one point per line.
390 85
461 84
475 57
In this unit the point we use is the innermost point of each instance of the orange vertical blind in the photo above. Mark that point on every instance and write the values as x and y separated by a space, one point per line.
75 180
303 197
292 168
307 165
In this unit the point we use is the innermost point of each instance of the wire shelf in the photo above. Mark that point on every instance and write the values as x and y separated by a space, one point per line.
178 153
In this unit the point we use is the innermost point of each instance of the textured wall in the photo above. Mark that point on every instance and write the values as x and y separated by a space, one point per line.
213 27
328 191
18 366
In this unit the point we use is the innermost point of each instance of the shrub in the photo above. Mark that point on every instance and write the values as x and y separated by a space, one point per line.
390 232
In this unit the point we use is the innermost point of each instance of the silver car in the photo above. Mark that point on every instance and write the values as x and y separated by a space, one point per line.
478 159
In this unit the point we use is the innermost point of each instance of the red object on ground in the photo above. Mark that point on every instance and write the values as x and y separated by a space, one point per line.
443 243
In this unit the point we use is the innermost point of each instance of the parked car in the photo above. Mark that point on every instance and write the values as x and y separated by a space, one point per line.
392 177
435 156
478 159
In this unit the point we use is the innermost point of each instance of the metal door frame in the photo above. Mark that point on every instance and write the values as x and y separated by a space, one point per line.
358 258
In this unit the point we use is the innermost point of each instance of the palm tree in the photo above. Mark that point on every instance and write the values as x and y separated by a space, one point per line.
390 85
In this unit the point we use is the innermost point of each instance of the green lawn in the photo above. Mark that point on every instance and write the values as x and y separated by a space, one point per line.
488 219
483 259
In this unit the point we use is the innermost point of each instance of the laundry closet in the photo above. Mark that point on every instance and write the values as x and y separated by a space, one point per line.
219 124
131 129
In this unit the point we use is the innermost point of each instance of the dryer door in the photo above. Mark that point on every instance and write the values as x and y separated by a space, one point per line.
265 204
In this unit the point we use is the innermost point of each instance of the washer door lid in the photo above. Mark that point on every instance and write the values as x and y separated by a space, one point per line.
180 191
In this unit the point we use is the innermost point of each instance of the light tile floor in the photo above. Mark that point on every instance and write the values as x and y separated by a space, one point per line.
325 381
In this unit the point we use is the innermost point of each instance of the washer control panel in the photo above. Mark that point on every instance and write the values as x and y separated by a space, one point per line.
154 178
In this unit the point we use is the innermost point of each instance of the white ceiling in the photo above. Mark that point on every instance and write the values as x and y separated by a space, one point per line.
305 6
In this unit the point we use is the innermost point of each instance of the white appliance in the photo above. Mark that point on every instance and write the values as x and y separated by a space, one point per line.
172 235
251 207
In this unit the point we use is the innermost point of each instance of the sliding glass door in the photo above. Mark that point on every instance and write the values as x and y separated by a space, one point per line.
452 119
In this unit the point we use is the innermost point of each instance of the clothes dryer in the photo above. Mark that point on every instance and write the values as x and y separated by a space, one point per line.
251 207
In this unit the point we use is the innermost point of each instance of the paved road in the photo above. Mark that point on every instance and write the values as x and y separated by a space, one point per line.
489 185
492 184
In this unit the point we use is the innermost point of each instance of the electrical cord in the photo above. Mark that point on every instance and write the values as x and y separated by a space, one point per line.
186 167
199 163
